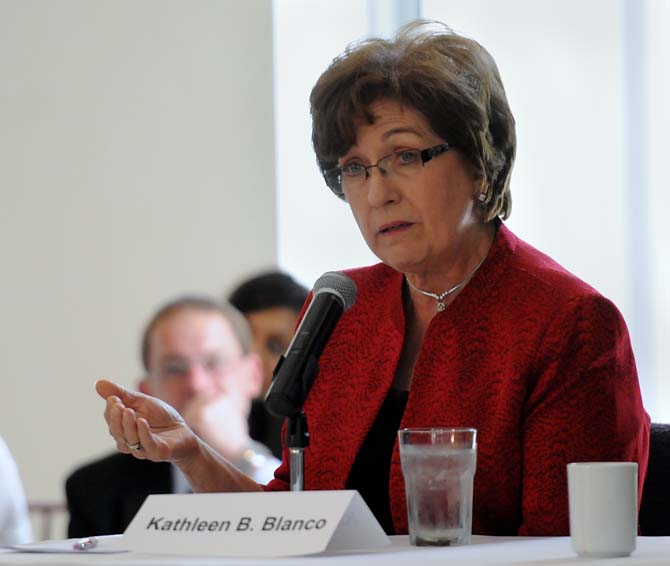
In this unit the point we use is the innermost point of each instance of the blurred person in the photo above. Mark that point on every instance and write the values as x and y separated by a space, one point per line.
14 519
196 354
461 324
271 303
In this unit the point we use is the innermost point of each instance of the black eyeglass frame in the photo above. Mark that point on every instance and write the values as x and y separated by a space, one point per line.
335 173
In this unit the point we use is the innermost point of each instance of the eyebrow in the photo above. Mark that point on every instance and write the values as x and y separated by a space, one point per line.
392 132
386 135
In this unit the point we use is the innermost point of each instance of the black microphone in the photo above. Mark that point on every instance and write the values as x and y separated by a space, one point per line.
296 370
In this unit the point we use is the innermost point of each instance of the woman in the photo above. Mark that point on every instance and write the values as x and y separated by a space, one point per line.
462 324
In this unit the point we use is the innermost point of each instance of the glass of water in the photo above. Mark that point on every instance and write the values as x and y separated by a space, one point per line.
438 465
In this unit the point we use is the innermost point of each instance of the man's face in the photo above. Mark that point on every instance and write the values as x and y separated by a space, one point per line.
195 354
272 330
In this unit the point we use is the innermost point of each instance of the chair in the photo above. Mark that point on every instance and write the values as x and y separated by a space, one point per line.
43 514
654 514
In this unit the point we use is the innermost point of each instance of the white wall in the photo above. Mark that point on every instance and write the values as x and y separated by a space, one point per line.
136 162
316 231
658 42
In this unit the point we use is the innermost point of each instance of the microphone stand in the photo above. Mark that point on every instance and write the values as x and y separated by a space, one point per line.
297 431
297 439
294 376
297 382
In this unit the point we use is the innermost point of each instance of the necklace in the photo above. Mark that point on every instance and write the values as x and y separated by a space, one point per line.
442 296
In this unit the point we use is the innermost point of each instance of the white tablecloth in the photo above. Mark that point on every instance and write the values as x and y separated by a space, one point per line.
484 551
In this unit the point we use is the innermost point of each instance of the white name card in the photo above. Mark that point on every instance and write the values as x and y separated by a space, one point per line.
264 524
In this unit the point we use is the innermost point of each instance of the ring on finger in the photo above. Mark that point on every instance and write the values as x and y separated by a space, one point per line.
137 447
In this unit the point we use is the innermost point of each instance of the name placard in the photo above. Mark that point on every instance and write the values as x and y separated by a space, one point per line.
254 524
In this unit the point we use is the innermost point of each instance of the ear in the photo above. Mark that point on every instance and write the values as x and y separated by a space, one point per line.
253 369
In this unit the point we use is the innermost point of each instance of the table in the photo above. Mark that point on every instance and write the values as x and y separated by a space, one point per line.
484 551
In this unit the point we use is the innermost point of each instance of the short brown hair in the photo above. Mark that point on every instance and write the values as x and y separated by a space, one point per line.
452 80
234 317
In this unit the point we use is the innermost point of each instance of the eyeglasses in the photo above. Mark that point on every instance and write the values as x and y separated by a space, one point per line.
179 368
401 164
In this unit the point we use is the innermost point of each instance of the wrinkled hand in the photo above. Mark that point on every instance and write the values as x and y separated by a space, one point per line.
134 417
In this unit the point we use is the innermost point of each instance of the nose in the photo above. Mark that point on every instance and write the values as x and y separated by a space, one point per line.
381 188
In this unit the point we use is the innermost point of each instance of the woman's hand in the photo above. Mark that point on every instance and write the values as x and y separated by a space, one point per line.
145 426
150 429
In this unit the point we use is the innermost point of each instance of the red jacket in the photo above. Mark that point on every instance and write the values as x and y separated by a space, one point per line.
532 357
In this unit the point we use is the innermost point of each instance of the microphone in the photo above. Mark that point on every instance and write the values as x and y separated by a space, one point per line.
333 294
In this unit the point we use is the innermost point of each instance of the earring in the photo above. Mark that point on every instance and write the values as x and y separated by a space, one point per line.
482 196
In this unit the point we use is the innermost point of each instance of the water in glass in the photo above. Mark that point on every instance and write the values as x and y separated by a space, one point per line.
438 482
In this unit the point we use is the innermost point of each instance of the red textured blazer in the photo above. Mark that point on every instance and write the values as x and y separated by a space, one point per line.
532 357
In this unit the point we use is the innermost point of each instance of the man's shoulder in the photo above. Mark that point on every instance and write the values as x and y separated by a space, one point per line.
117 468
104 495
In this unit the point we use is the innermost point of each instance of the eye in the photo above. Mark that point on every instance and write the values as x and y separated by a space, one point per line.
212 363
175 368
275 346
352 169
407 156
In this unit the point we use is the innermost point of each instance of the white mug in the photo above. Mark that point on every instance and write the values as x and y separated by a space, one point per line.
603 508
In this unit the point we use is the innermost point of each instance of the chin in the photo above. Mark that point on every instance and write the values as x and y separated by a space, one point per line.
399 263
398 255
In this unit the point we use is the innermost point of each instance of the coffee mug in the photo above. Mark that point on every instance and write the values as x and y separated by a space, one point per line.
603 508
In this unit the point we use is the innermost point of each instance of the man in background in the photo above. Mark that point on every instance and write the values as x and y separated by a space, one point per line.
271 302
196 353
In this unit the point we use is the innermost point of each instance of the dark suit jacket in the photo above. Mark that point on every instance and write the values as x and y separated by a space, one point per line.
103 496
265 428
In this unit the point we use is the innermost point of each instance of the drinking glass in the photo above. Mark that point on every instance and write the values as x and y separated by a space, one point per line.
438 465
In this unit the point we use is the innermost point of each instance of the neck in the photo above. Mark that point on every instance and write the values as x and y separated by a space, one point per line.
453 267
432 291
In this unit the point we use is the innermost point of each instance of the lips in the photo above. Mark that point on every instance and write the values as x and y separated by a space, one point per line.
394 227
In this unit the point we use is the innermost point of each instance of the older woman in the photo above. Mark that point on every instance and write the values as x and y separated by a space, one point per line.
462 324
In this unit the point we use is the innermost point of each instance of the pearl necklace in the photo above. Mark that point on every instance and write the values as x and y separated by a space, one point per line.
442 296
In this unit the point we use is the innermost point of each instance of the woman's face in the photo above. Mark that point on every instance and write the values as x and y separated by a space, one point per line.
418 224
272 331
